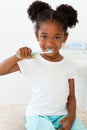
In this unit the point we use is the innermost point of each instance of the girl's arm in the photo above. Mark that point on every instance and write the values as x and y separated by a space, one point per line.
71 100
71 106
10 65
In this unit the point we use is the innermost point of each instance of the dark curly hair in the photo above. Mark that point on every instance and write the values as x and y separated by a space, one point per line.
40 11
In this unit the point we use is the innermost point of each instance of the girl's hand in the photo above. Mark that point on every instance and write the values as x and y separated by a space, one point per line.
24 53
67 123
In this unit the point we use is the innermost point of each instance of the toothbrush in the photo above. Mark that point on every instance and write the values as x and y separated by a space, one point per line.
35 53
42 52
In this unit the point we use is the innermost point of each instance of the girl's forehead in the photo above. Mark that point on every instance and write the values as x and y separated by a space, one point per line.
51 25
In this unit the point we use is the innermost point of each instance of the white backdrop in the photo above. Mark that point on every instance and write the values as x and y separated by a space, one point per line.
16 31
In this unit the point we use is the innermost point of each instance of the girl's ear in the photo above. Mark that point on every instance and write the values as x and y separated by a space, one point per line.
36 34
65 37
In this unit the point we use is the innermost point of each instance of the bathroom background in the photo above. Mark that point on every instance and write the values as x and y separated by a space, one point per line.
16 30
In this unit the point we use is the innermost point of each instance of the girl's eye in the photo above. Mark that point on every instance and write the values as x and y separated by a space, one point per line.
57 38
44 37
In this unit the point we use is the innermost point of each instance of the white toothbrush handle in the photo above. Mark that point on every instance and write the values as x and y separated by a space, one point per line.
42 52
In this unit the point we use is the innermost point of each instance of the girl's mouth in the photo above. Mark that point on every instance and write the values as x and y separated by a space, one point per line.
51 51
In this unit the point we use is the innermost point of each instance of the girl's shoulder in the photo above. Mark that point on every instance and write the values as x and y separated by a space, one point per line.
68 60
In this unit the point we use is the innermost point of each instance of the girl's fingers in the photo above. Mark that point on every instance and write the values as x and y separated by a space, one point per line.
24 52
64 123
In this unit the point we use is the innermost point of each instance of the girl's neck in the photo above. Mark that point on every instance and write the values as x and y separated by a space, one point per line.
55 58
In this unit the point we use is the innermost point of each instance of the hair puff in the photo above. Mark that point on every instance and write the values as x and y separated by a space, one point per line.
68 14
35 8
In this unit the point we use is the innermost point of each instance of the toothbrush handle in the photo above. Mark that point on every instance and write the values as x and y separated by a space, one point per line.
34 53
42 52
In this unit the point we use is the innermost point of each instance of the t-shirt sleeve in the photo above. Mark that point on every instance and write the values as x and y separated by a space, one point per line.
73 71
26 66
23 65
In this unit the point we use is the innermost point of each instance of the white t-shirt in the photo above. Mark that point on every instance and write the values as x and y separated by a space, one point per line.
49 83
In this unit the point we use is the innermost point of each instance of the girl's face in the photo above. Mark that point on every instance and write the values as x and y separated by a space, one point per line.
51 36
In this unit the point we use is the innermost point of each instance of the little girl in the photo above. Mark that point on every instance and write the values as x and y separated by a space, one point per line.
53 103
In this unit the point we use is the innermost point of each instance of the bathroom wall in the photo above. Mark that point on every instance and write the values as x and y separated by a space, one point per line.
16 31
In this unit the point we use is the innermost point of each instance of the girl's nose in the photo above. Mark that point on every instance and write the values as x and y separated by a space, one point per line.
49 44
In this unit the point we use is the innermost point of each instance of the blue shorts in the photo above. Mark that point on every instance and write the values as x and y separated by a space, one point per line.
50 123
